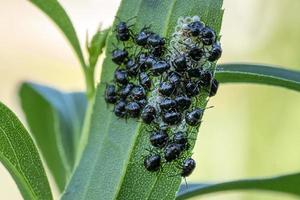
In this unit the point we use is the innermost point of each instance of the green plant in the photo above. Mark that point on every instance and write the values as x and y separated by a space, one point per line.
90 153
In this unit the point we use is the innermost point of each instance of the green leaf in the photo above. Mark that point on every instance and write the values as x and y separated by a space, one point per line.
262 74
95 48
111 165
20 156
56 12
55 119
288 184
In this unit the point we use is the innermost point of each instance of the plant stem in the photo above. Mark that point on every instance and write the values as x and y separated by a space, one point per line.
90 94
90 82
85 129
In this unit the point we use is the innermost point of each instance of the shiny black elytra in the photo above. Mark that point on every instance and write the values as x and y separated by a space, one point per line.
208 36
142 37
167 103
138 93
121 76
123 31
160 67
188 167
159 138
172 152
119 109
152 163
133 109
206 78
148 114
196 53
166 88
214 88
181 139
171 117
191 89
174 78
180 63
119 56
145 61
194 72
132 68
215 53
183 102
145 80
194 28
193 118
110 94
155 40
125 90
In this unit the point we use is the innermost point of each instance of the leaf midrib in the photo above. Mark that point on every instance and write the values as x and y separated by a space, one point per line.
165 32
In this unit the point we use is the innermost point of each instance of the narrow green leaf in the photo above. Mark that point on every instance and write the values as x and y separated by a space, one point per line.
111 165
288 184
262 74
55 119
95 48
56 12
20 156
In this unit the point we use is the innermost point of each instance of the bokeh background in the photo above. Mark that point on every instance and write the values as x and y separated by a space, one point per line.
253 130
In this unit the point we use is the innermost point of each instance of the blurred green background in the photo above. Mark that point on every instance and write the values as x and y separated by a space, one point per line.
253 130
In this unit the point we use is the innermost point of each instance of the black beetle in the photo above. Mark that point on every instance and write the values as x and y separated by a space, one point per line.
160 67
166 88
181 139
214 88
191 89
172 152
180 63
183 102
119 56
208 36
125 90
171 117
119 108
132 68
159 138
195 28
196 53
110 94
167 104
121 76
138 93
188 167
148 114
133 109
193 118
215 53
145 80
152 163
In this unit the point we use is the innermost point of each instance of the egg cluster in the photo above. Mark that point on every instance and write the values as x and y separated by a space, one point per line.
160 84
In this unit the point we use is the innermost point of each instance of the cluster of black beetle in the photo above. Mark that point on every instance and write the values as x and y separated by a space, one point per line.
180 77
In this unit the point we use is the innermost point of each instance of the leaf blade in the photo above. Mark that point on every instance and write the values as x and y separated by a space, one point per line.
111 150
56 12
55 119
20 156
261 74
285 183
